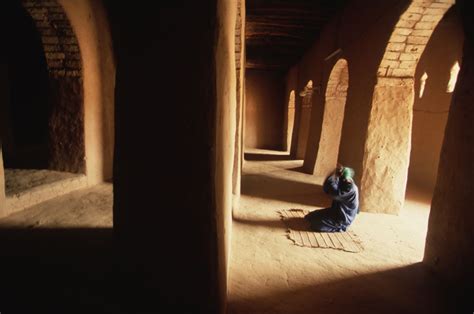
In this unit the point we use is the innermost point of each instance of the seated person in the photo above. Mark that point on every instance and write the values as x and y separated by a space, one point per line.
345 205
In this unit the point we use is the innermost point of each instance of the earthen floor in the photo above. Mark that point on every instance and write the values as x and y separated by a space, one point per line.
268 274
84 208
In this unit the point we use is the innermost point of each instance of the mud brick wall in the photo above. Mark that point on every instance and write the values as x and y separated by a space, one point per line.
63 59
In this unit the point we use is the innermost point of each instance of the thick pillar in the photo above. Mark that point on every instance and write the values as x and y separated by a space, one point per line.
327 151
387 147
240 76
2 186
450 239
225 130
90 23
388 141
4 99
175 128
289 121
304 120
290 112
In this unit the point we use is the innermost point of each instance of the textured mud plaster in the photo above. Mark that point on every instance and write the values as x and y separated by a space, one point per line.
387 148
363 40
336 93
304 121
67 125
240 78
430 112
450 237
90 24
289 118
225 135
386 158
292 85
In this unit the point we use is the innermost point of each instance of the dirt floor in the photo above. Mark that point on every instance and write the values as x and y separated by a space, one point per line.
57 256
268 274
18 181
25 188
85 208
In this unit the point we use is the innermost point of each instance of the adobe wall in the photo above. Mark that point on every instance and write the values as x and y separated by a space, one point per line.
3 100
333 116
305 104
45 117
78 50
264 110
362 32
382 55
430 112
388 143
172 180
289 118
450 235
90 24
225 137
240 77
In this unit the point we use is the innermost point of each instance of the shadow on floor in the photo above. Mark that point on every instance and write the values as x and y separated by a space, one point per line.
56 270
410 289
272 188
298 169
298 224
73 271
266 157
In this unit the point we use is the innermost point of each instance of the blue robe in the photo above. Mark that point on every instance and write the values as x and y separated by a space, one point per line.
344 208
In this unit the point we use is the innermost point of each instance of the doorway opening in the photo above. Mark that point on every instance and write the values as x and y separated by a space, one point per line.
42 112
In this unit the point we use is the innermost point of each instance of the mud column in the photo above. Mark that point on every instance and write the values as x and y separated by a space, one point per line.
387 147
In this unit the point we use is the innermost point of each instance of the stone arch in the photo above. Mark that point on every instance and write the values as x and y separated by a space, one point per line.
305 117
336 94
387 144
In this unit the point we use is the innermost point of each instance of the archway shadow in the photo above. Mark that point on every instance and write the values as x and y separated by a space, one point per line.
298 169
266 157
77 270
297 224
273 188
410 289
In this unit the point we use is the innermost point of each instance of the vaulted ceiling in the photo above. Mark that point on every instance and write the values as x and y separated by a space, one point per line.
278 32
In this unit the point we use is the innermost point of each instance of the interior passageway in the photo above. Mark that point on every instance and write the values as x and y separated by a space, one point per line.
271 275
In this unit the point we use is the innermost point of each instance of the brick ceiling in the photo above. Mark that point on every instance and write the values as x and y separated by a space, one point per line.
278 32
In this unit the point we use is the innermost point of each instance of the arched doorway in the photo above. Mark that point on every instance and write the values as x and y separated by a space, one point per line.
435 79
43 115
336 94
25 116
388 139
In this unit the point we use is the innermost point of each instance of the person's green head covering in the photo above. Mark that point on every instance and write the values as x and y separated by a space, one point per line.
347 173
